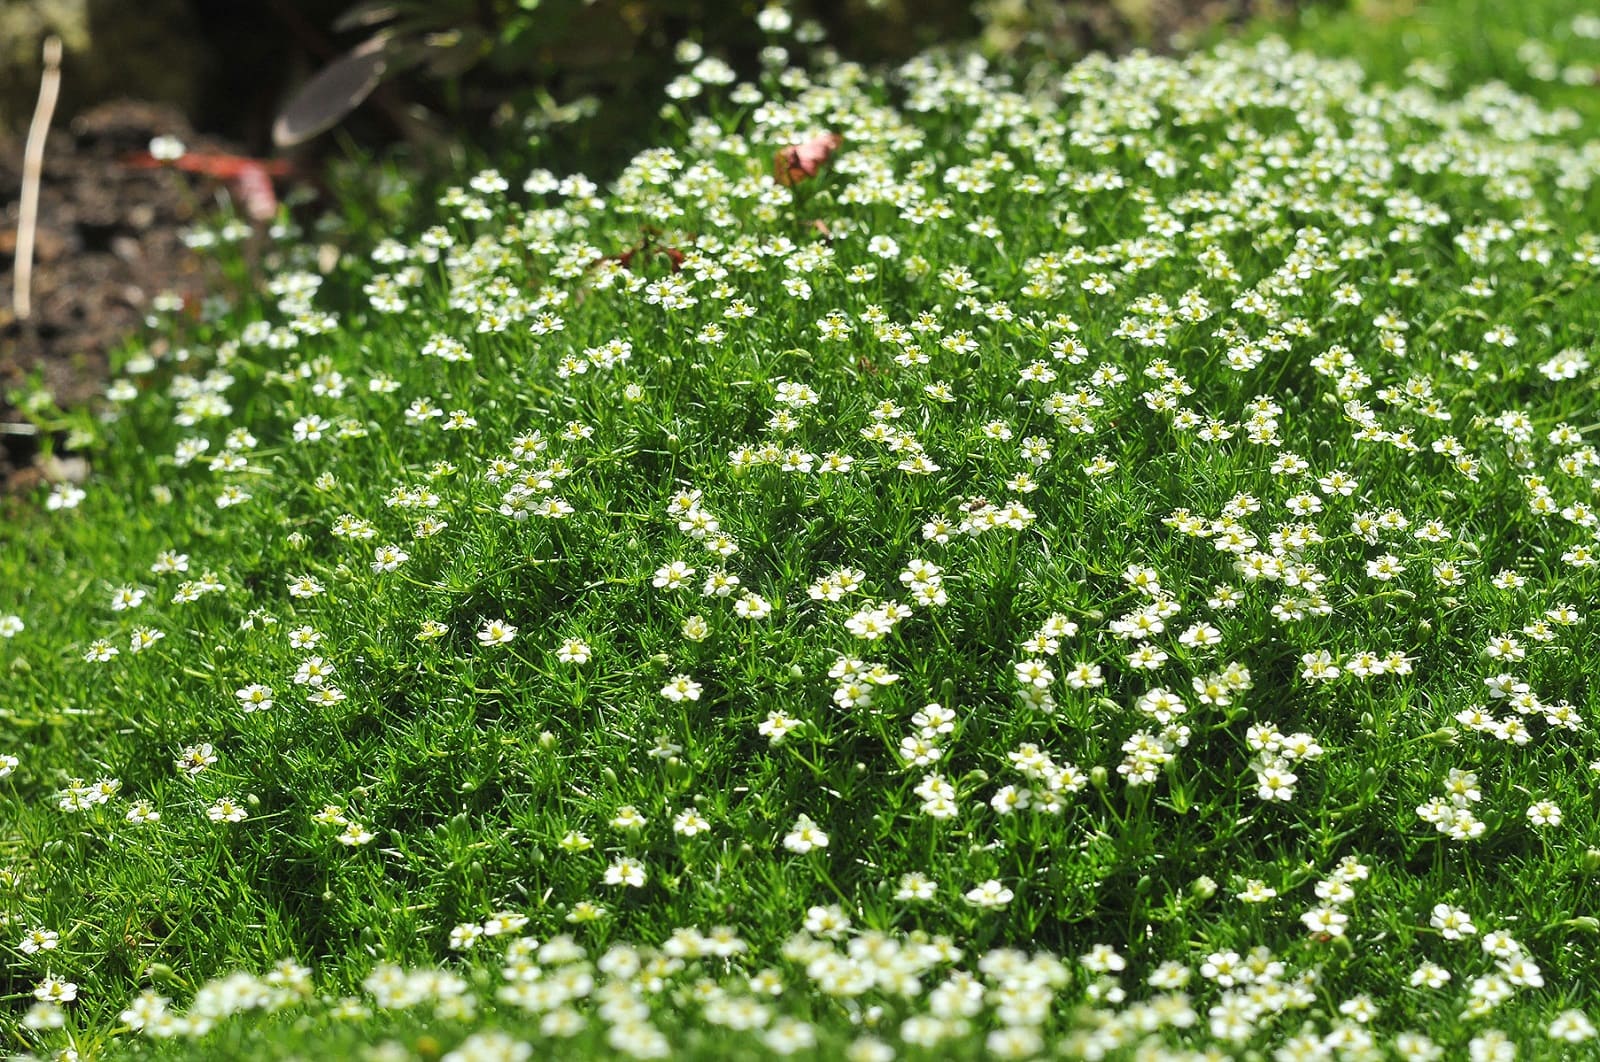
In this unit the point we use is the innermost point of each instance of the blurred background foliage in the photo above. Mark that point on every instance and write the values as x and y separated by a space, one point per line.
467 80
484 68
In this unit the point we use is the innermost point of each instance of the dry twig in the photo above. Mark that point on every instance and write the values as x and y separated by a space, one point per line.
32 169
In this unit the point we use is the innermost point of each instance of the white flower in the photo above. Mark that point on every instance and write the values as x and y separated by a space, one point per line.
55 989
225 810
1275 782
681 688
37 940
490 1046
145 1009
166 148
1572 1026
805 836
870 624
496 632
774 19
689 822
777 726
43 1015
990 894
1544 813
752 606
1325 921
1491 1045
1451 922
304 638
574 651
1103 958
354 835
504 922
64 497
304 586
99 651
142 814
313 671
671 576
143 638
626 871
388 558
126 597
1034 673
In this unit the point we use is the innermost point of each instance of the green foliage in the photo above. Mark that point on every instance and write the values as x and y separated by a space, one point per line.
1536 46
1101 566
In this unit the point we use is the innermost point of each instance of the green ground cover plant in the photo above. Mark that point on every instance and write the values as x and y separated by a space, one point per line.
1098 567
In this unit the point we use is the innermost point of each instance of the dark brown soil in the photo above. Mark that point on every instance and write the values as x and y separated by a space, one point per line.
109 238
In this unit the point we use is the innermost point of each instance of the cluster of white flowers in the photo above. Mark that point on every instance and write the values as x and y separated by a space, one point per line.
286 984
1452 814
1291 331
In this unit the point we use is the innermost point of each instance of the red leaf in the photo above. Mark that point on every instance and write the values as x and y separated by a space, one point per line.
211 164
250 179
800 162
253 186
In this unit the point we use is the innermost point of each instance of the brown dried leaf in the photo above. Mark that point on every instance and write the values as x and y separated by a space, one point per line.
333 93
803 161
371 13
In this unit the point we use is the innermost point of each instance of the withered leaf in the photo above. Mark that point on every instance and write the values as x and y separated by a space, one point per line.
333 93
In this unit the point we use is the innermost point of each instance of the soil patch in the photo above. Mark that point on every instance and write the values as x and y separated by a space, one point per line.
109 238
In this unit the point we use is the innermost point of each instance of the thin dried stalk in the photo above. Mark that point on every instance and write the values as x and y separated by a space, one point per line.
32 169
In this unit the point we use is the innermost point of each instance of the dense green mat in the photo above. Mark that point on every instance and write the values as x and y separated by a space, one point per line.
1102 569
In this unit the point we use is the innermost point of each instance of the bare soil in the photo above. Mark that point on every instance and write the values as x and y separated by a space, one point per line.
109 238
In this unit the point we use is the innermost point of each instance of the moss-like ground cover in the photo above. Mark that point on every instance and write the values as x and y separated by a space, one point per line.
1103 566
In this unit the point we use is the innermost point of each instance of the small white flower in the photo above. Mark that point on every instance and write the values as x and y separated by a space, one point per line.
805 836
255 697
388 558
126 597
681 688
574 651
354 835
1544 813
496 632
55 989
37 940
225 810
626 871
166 148
990 894
1573 1026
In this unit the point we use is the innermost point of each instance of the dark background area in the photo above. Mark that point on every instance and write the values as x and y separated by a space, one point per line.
228 65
